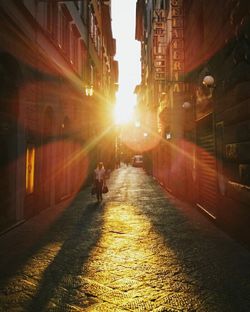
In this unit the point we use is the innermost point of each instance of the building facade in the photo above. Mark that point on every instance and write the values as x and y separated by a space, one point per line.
57 71
195 84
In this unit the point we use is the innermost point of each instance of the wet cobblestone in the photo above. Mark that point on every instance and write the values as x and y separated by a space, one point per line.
141 250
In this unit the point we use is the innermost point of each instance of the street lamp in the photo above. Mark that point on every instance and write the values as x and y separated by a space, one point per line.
186 105
208 81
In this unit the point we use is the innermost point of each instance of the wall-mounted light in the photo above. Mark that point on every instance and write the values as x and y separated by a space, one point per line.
208 81
89 90
209 84
186 105
168 136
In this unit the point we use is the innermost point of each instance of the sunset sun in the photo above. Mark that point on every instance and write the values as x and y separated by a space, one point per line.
124 111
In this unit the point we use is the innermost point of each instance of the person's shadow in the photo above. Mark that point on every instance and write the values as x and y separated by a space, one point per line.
61 274
77 230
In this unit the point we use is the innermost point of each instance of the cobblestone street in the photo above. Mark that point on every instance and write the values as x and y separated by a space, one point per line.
141 250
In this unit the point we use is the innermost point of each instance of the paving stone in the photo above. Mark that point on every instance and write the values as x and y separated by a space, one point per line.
140 250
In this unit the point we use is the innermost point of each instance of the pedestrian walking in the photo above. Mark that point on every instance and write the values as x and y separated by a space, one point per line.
99 180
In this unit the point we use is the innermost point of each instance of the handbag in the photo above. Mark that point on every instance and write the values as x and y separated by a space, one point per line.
93 190
105 189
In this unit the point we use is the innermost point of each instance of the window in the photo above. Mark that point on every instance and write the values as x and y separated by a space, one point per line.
99 45
74 55
98 5
77 4
30 169
74 48
91 75
94 32
92 23
52 19
64 33
83 60
84 11
163 5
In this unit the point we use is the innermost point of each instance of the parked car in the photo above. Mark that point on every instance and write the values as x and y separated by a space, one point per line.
137 161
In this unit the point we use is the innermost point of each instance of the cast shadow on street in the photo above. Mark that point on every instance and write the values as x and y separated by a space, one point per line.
60 276
216 266
77 230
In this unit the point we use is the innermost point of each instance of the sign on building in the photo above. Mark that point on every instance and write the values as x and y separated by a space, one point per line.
159 44
177 46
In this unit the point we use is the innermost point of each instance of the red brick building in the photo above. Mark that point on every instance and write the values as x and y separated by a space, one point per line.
195 81
51 53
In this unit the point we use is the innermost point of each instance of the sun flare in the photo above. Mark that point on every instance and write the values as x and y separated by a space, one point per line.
124 112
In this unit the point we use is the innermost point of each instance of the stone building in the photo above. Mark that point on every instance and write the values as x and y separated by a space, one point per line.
57 70
196 84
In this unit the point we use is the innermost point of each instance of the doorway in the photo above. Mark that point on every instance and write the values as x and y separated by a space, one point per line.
206 166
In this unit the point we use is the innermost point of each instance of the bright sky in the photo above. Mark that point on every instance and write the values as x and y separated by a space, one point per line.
127 53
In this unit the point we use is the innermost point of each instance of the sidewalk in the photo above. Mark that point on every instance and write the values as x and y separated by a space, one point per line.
141 250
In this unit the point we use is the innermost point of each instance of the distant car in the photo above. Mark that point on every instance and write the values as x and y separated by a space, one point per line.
137 161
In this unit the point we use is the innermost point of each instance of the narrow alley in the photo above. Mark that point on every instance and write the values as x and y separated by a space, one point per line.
140 250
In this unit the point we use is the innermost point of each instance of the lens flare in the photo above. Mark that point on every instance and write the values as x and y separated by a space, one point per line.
139 139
